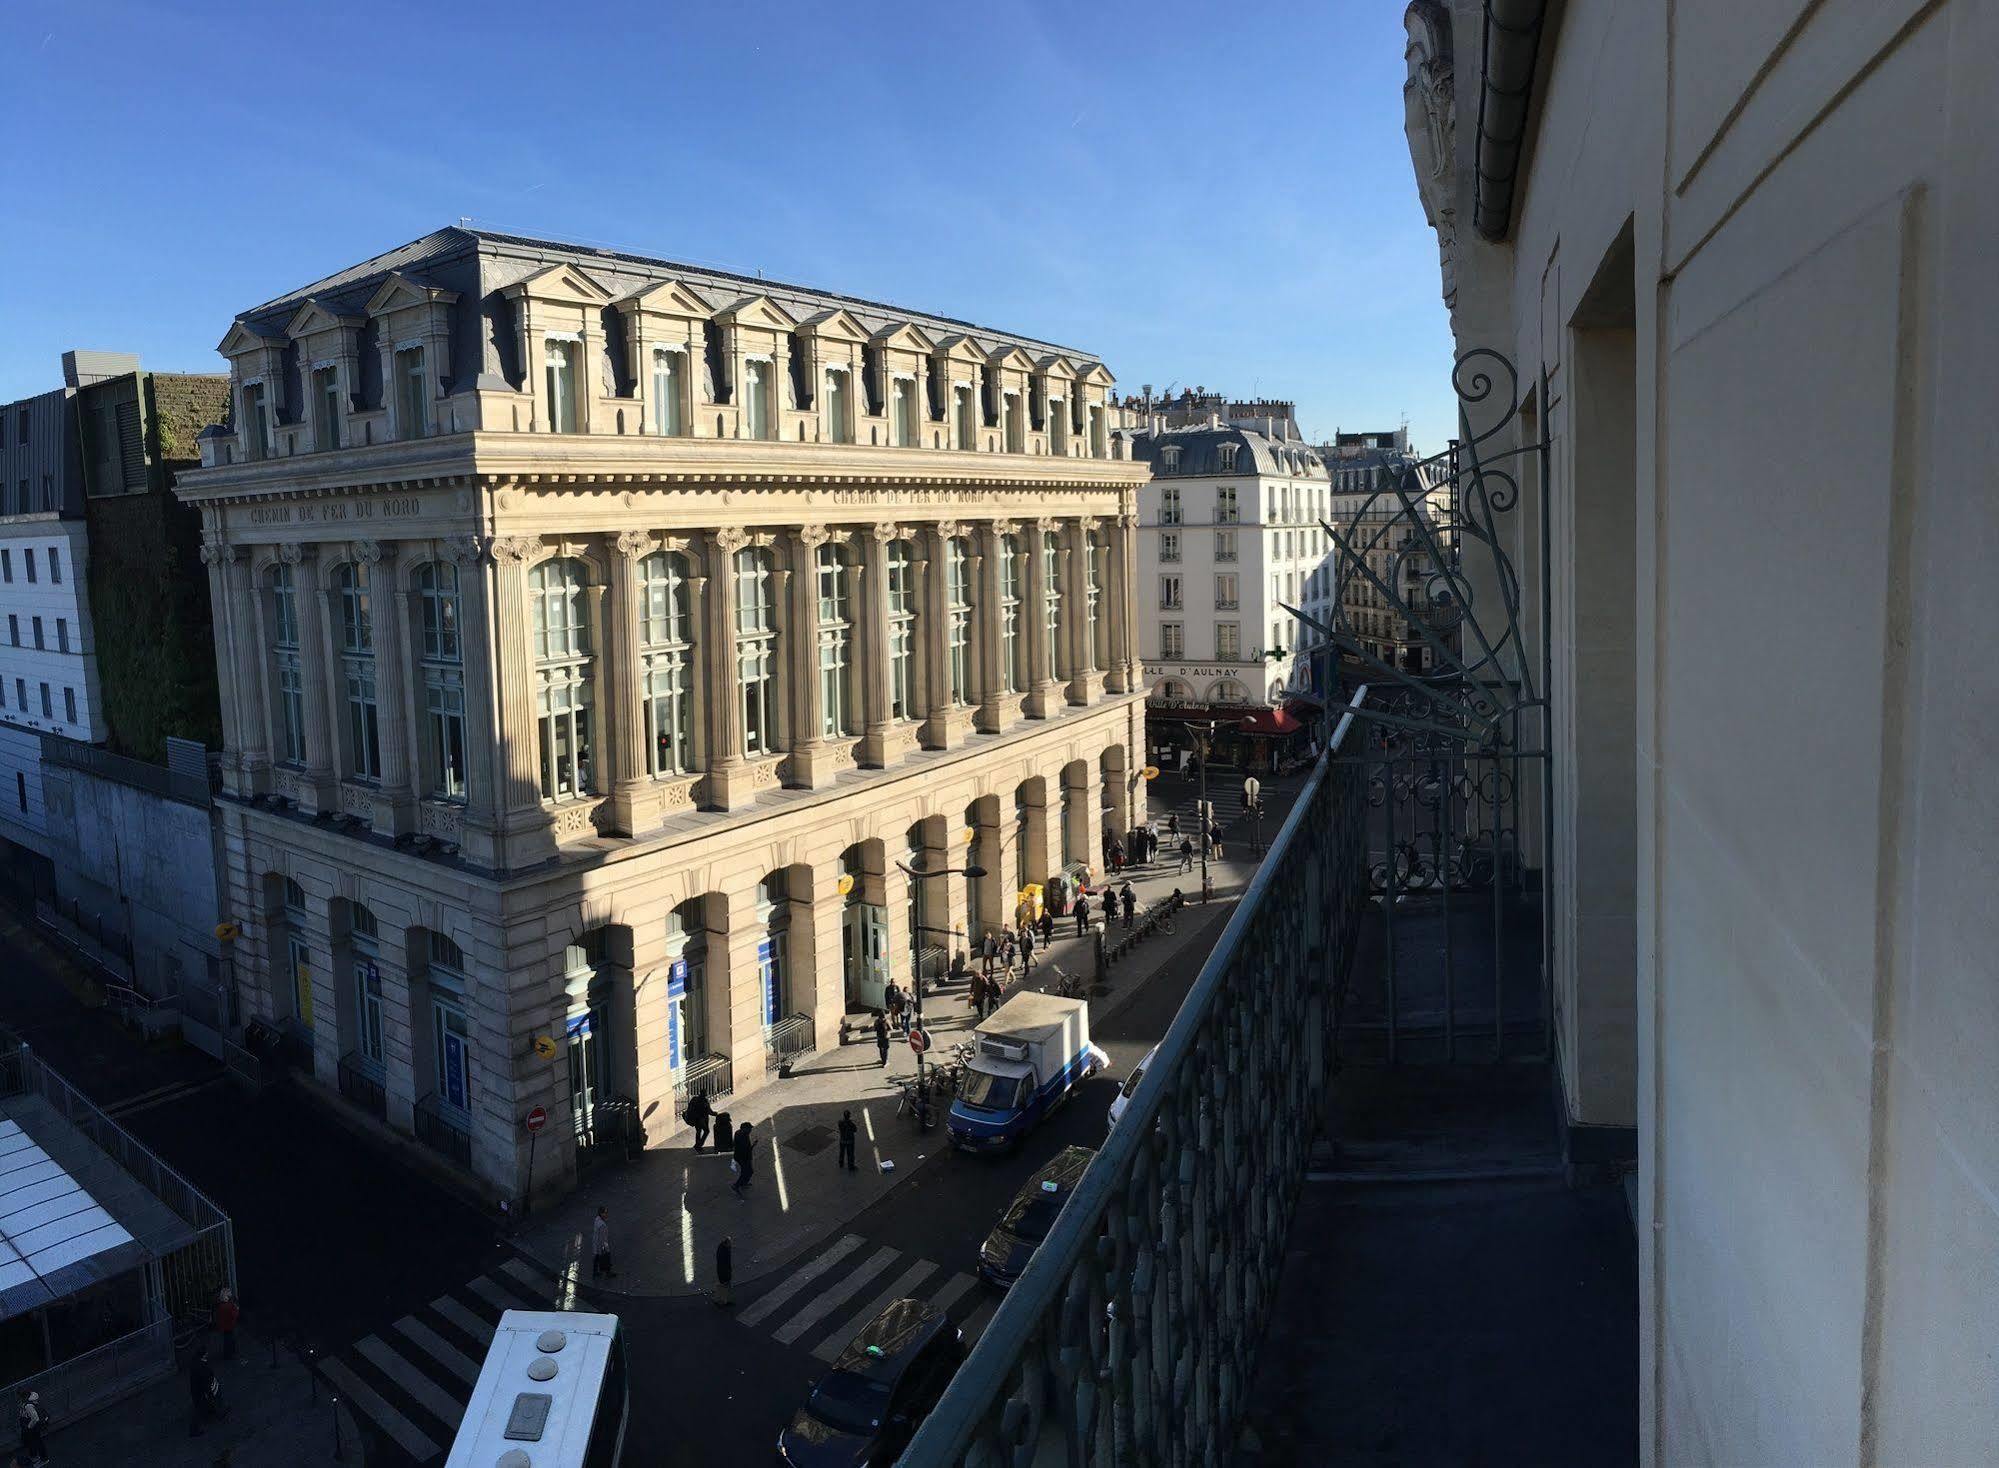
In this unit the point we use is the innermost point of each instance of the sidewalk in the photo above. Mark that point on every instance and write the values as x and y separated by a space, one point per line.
670 1207
277 1417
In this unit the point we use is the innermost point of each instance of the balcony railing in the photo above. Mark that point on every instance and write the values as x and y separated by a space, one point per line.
789 1038
444 1129
361 1083
1133 1332
712 1075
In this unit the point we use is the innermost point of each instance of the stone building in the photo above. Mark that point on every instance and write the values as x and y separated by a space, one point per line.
1740 257
600 636
1379 607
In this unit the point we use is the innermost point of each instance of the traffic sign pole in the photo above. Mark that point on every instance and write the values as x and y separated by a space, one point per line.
534 1121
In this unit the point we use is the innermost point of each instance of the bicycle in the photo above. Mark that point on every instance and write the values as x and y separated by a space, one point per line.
1069 986
1160 916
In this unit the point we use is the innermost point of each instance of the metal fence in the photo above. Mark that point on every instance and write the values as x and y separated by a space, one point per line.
712 1075
361 1082
84 1383
1131 1337
789 1038
182 785
443 1130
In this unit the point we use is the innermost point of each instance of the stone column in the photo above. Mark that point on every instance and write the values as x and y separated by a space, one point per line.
1120 604
822 989
524 833
395 797
735 992
993 706
784 717
872 646
813 756
1043 696
475 652
317 790
699 694
728 772
634 800
239 650
1085 681
940 730
603 770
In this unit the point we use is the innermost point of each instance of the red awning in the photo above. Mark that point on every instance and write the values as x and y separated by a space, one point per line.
1270 721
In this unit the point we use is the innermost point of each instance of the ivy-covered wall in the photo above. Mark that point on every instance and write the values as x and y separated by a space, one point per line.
149 601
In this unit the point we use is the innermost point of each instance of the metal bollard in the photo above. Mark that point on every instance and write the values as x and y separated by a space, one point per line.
338 1446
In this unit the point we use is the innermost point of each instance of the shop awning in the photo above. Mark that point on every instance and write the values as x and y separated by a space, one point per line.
1272 722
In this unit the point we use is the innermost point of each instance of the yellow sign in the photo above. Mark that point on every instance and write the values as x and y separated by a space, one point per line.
544 1047
845 884
226 931
970 835
1150 772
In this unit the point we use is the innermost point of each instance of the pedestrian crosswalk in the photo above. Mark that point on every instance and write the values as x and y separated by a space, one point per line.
822 1304
410 1381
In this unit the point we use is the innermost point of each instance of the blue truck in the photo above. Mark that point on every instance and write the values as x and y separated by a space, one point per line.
1031 1053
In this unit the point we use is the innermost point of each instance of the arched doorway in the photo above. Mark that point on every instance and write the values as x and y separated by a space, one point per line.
864 944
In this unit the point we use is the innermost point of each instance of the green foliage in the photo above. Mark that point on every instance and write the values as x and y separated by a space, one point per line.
152 623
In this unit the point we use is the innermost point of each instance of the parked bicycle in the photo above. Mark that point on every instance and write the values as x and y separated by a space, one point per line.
1070 986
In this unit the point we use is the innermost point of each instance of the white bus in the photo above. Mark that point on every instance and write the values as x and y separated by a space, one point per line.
551 1395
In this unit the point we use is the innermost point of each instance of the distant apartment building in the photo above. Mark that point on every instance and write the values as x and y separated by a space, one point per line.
1229 539
1390 600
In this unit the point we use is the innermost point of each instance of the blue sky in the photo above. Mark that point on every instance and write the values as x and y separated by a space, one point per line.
1199 193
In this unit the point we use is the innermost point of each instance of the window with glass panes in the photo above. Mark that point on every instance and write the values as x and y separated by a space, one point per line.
756 648
669 379
1226 509
441 663
961 409
837 410
564 677
285 654
257 416
357 661
326 407
958 610
666 620
451 1031
756 398
413 392
1172 642
901 558
1169 506
773 971
1093 560
1051 581
1169 545
836 632
902 412
1228 641
561 361
1225 545
1011 674
364 949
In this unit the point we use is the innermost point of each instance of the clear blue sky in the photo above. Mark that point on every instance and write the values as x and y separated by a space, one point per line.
1200 193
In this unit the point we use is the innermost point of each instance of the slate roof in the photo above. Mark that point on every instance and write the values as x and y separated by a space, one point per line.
1200 453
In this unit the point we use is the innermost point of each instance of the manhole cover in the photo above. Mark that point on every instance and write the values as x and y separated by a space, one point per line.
810 1140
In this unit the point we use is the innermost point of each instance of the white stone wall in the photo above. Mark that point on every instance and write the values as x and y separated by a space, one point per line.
24 668
22 818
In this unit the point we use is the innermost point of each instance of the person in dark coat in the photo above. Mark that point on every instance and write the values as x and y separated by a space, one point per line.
847 1130
698 1115
1173 824
204 1393
1130 904
33 1422
724 1138
1186 854
746 1151
1082 913
725 1272
881 1037
1047 926
1026 950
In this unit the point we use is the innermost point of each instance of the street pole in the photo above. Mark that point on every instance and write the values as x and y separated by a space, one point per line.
1207 746
916 979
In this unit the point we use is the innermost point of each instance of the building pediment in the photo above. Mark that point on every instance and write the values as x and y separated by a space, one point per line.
903 336
242 338
1096 375
961 348
400 292
757 311
1055 365
564 283
668 298
1012 357
838 324
313 318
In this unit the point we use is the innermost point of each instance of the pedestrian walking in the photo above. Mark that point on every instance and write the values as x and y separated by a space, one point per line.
227 1313
1082 913
698 1114
895 1006
1186 855
724 1138
881 1038
1130 904
746 1148
600 1246
1026 951
725 1272
204 1392
1173 824
34 1423
847 1130
1009 945
1215 835
1047 926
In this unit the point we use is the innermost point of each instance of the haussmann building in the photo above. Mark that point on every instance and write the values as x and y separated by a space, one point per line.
599 635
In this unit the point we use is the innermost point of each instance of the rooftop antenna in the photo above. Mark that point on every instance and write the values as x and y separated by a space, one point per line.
464 220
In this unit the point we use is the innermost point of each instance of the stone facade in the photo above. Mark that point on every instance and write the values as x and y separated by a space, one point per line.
577 717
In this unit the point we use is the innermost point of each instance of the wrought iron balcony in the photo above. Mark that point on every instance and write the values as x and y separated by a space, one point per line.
361 1082
444 1129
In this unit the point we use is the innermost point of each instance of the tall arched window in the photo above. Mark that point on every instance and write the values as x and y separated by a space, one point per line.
290 685
1093 554
451 1032
1051 580
669 382
297 956
564 677
686 985
902 629
773 911
836 630
1011 676
440 656
562 364
364 949
958 609
357 655
665 650
756 648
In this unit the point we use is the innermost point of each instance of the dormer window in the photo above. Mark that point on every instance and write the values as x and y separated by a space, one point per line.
1169 458
412 393
560 358
1225 455
838 408
961 415
326 407
256 421
902 412
756 398
669 379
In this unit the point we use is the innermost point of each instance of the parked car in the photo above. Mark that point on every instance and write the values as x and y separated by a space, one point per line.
1029 1217
1130 1086
882 1386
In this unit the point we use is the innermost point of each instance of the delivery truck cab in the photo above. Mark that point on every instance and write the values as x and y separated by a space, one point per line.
1031 1053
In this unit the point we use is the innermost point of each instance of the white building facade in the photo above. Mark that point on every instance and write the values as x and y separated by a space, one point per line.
587 679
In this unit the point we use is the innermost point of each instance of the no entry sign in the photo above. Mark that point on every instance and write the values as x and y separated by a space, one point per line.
535 1120
918 1041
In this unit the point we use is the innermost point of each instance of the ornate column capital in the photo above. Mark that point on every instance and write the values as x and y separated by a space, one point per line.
216 554
462 550
884 532
511 550
946 529
1047 524
293 553
632 544
1086 523
1003 527
730 539
367 552
813 536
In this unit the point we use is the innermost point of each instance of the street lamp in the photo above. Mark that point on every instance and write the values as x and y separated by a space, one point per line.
1203 746
973 871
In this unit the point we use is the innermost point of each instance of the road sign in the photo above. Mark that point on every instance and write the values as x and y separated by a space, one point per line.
536 1119
1151 772
544 1046
918 1041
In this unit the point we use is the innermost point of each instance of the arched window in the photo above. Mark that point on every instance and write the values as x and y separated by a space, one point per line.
901 559
1051 581
290 686
364 950
958 609
451 1031
686 985
835 640
1012 677
564 677
669 382
295 953
1228 690
773 911
665 651
357 653
756 648
441 657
